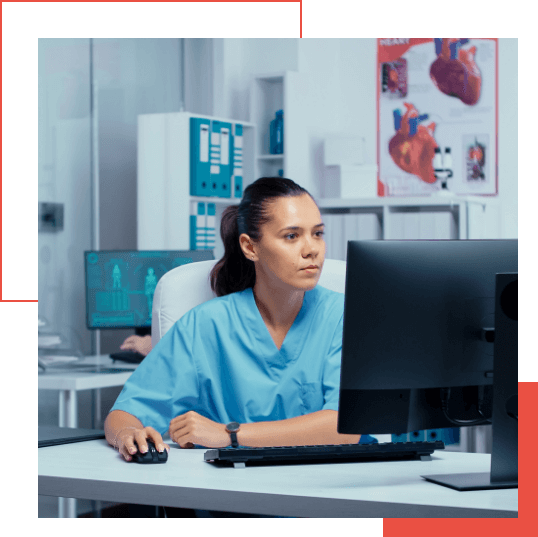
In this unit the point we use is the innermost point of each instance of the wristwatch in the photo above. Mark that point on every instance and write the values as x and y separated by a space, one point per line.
233 429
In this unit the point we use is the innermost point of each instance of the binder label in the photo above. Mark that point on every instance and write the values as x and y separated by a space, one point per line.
215 138
225 147
215 170
204 143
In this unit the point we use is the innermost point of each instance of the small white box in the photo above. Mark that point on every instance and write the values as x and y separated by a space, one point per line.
341 150
350 181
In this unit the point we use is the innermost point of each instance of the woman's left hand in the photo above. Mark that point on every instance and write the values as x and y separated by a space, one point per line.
191 428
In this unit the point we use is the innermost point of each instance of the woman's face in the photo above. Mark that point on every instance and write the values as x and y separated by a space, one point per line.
291 242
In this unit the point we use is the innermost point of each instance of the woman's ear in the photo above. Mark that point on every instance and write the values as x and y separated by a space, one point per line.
246 246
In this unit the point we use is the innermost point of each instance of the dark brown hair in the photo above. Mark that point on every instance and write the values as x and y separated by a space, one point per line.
234 272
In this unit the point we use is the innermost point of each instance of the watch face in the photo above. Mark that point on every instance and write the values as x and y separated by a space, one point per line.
232 427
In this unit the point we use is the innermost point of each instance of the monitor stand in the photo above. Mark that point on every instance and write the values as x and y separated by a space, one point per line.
504 459
473 481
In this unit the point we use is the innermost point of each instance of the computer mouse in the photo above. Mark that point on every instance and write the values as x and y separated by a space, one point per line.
152 456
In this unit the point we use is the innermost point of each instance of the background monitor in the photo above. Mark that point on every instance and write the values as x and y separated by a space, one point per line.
120 284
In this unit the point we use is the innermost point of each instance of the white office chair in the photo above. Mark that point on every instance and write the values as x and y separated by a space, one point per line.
183 288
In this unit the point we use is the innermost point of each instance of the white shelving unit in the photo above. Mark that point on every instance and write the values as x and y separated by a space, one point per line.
435 217
280 91
164 180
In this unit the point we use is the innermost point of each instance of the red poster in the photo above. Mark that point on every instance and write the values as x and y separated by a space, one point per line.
437 116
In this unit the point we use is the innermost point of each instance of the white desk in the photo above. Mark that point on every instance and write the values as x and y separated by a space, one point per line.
68 380
95 471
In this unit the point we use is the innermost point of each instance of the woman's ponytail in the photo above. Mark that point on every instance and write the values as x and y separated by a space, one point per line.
234 272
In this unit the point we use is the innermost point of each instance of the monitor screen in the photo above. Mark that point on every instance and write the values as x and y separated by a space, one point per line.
120 284
414 320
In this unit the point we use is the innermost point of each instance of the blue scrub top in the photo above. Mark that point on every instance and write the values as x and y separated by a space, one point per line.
220 360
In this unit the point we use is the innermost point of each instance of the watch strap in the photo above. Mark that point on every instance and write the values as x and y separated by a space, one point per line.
232 429
233 437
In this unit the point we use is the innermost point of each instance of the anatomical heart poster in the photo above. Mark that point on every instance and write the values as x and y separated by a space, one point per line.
437 116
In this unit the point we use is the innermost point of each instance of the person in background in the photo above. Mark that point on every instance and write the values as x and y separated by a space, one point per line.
141 344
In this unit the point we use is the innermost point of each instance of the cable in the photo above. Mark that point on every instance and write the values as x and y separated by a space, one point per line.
445 396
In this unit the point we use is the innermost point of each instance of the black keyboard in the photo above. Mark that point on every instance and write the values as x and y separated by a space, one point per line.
108 370
130 357
323 454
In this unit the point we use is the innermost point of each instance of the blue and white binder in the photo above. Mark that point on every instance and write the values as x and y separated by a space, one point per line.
198 232
215 158
211 232
220 168
199 155
237 160
225 174
216 155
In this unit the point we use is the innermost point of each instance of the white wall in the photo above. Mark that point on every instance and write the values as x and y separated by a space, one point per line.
508 149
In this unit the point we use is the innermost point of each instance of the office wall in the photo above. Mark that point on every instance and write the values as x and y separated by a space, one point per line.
63 177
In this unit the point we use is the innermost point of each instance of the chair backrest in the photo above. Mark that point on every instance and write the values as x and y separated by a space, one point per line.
185 287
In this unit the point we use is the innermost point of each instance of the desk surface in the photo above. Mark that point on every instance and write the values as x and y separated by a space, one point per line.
73 377
93 470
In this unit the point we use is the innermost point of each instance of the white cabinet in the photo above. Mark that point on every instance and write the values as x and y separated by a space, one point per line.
435 217
163 180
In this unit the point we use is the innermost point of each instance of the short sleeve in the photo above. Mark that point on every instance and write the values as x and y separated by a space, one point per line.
331 369
165 384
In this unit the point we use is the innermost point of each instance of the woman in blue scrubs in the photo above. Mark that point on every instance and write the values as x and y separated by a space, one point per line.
265 353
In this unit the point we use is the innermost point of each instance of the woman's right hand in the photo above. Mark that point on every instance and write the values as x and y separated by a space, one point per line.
132 439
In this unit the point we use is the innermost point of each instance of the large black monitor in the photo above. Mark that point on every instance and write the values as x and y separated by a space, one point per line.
120 284
417 350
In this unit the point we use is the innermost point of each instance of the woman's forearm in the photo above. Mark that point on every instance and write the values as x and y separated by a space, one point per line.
312 429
